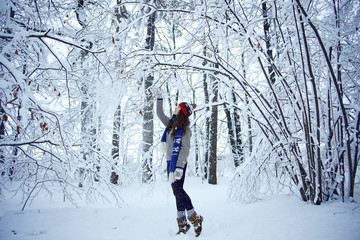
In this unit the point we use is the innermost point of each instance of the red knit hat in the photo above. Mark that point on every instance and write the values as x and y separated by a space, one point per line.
186 108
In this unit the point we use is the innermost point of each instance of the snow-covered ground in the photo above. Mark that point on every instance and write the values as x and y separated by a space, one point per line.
150 213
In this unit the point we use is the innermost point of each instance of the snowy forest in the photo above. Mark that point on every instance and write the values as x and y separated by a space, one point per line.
276 83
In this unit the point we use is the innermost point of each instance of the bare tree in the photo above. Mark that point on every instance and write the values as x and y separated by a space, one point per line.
148 120
213 132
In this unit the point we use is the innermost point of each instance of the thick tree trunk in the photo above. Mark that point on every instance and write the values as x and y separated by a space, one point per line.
207 121
115 152
234 132
88 122
239 142
148 117
213 134
120 13
231 133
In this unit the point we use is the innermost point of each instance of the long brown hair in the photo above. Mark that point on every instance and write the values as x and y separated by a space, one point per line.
181 121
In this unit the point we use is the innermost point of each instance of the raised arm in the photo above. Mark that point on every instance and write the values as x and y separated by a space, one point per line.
160 111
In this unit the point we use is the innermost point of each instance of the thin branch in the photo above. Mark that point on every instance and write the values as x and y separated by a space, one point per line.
46 35
13 144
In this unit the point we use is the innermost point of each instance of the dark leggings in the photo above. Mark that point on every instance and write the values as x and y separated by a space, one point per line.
183 201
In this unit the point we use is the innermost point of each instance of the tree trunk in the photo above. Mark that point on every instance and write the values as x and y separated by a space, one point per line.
250 137
148 118
239 143
213 133
231 133
234 131
267 33
120 12
2 134
115 152
88 126
207 121
338 65
197 159
207 129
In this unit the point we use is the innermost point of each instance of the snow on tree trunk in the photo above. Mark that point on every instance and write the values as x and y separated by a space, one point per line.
213 131
234 130
115 152
148 112
268 43
87 108
207 129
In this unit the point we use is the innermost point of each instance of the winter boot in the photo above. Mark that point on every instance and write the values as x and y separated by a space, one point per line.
196 221
183 225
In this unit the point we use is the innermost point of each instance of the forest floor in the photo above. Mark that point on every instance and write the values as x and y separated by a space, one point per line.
149 214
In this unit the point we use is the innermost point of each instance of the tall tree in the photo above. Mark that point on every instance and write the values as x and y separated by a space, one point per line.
213 131
120 14
207 123
87 106
148 114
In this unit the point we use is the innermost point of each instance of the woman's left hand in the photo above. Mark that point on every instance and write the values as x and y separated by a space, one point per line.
177 175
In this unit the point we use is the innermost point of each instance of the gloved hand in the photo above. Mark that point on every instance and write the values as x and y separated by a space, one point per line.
177 175
159 94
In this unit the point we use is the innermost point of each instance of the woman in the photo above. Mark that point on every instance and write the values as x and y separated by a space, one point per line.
176 138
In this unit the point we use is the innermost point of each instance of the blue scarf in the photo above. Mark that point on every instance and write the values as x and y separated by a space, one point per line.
176 147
